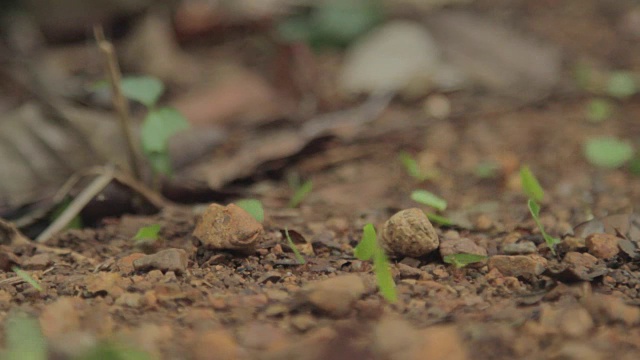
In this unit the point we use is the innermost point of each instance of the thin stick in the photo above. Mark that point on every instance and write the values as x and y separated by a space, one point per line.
74 208
119 102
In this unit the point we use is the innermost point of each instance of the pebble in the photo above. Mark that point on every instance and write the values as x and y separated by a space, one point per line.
38 262
335 296
409 233
461 246
518 265
521 248
602 246
395 338
124 265
228 227
166 260
217 344
441 343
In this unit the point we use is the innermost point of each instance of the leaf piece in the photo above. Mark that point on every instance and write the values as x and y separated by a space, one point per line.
530 184
144 89
429 199
607 152
253 207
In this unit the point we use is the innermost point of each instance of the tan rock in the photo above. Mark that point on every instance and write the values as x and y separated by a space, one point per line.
218 345
335 296
602 246
409 233
441 343
518 265
166 260
228 227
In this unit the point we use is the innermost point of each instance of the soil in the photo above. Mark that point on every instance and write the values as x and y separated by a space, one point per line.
579 303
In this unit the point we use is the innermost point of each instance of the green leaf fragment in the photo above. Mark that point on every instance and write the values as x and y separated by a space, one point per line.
253 207
429 199
27 278
599 110
386 285
159 126
148 233
301 193
367 246
293 247
440 220
621 84
530 184
24 339
463 259
411 166
144 89
608 152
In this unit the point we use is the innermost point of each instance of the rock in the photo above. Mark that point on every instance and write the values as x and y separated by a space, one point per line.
399 56
518 265
575 322
166 260
124 265
441 343
521 248
610 309
602 246
38 262
461 246
409 233
228 227
395 338
335 296
578 267
217 344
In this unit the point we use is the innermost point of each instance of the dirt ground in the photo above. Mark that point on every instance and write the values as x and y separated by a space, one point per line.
582 303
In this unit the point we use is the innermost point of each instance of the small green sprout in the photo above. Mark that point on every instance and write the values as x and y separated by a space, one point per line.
368 249
487 170
608 152
621 84
440 220
429 199
599 110
463 259
300 189
253 207
159 124
147 234
27 278
551 241
411 166
23 339
530 184
293 247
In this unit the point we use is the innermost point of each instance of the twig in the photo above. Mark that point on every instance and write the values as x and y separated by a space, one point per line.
74 208
119 102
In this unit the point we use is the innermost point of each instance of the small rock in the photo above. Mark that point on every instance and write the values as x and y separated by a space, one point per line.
578 267
602 246
575 322
522 248
217 344
409 233
335 296
395 338
395 57
303 322
441 343
38 262
518 265
461 246
124 265
132 300
228 227
608 308
166 260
